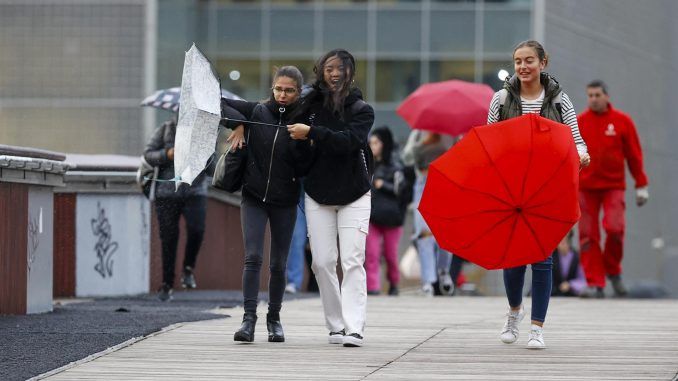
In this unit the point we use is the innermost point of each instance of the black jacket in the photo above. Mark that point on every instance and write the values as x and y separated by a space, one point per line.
388 208
155 154
340 170
274 160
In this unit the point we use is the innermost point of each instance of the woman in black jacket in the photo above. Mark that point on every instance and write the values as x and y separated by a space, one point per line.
270 193
338 192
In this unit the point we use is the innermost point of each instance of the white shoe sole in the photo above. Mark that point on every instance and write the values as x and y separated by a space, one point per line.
535 346
336 339
350 341
507 340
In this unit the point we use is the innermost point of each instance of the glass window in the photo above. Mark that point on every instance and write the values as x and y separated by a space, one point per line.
453 31
398 31
491 70
504 29
292 30
509 1
398 126
345 29
342 2
445 70
238 30
240 77
237 1
396 80
361 76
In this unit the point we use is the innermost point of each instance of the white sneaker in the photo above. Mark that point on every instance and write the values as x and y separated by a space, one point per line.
337 337
427 290
445 284
291 288
510 332
536 338
353 340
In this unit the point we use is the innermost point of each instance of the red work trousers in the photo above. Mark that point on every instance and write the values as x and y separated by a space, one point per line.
599 262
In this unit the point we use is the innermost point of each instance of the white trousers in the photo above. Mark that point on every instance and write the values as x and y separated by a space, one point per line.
345 309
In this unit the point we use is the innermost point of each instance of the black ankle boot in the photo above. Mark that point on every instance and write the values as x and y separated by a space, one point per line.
246 331
275 330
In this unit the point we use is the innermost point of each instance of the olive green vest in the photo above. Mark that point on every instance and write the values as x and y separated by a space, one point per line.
551 109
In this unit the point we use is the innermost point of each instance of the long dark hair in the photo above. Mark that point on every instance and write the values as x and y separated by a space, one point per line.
384 134
335 99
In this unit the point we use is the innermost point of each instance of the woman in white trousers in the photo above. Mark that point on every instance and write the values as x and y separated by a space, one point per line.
338 192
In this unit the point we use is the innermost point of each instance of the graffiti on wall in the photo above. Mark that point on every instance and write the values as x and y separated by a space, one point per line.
105 246
34 230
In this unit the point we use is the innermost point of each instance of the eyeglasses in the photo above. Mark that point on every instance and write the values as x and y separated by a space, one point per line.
288 91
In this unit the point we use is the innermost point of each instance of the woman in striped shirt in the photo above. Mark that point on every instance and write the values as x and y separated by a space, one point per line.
530 90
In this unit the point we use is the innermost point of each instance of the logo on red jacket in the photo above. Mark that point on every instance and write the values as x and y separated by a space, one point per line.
610 130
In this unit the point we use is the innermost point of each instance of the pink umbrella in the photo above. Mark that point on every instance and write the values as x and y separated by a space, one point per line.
450 107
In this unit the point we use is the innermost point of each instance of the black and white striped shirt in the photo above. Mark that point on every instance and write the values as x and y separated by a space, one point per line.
534 107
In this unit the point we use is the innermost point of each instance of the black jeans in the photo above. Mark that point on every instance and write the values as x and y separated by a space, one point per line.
169 210
254 215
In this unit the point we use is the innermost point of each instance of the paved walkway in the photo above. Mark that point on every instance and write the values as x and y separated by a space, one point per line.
410 338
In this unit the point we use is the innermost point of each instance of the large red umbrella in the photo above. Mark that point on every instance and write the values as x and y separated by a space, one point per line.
506 194
449 107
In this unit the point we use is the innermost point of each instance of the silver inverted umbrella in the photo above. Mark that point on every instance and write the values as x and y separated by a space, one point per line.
199 116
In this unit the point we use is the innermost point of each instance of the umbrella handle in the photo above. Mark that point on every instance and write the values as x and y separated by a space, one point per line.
251 122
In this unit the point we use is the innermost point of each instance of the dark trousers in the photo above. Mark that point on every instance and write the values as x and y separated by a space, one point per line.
455 268
169 210
514 279
254 215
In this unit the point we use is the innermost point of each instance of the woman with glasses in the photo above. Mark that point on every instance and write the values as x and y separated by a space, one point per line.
269 194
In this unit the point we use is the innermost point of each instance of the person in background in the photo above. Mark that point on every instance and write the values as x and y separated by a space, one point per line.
387 215
189 201
421 149
612 140
568 275
295 258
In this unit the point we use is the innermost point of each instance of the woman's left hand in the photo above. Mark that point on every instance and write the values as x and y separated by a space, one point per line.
584 160
298 131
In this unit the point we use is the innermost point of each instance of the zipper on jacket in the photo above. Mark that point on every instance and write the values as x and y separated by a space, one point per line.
270 164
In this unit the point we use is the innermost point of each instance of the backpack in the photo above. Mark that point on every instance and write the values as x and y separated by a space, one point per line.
366 151
557 101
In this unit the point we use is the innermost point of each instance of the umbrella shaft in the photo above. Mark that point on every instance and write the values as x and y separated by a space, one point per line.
250 122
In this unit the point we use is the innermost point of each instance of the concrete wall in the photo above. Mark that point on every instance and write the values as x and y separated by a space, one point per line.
633 46
39 250
112 245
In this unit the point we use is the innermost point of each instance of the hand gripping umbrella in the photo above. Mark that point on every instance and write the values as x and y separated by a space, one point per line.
506 194
199 116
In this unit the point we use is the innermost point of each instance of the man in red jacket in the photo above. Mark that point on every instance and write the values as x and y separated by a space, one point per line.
611 138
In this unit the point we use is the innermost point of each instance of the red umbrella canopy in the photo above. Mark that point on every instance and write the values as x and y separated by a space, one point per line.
449 107
506 194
